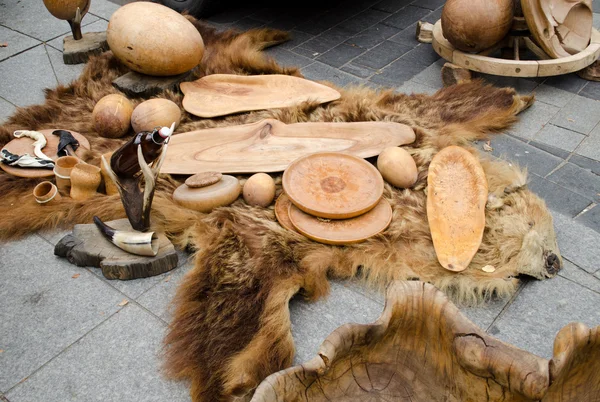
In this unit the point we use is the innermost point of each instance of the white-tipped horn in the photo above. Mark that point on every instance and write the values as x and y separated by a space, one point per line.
38 144
139 243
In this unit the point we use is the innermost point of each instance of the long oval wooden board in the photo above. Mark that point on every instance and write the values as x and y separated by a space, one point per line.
223 94
456 197
270 145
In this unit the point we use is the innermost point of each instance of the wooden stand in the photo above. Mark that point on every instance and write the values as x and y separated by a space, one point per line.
519 39
140 85
86 246
79 51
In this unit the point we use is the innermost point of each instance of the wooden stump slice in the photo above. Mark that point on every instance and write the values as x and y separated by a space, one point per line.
456 197
86 246
222 94
333 185
342 231
453 74
79 51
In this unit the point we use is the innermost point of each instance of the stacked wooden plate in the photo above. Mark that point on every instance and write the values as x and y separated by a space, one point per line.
333 198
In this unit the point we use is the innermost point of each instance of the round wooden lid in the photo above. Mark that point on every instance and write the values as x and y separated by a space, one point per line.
344 231
203 179
282 212
205 199
24 145
333 185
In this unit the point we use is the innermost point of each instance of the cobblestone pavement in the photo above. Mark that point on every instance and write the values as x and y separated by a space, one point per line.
64 338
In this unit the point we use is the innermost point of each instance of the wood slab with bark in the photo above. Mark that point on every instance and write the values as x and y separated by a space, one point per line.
87 247
270 145
222 94
423 349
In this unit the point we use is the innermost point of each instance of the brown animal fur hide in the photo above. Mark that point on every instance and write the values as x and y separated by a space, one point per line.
231 326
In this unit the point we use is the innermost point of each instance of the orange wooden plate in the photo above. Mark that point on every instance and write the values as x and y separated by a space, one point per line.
222 94
282 212
23 145
333 185
456 197
343 231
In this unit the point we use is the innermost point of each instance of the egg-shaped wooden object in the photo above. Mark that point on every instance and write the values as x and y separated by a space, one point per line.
66 9
397 167
205 199
112 116
259 190
475 25
155 113
153 39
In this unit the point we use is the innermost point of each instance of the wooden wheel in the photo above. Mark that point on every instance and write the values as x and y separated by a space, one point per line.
483 62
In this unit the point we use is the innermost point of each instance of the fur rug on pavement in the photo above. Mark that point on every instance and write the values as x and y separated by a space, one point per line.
231 326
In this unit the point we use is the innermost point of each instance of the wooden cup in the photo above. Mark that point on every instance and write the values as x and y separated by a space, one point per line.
46 193
85 179
62 172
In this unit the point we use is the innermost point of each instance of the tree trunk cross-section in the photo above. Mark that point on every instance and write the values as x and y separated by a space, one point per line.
86 246
79 51
135 84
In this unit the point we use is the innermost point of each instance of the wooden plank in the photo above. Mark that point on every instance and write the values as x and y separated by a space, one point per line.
270 145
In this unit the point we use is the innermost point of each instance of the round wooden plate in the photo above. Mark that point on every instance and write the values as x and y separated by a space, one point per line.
282 212
344 231
333 185
23 145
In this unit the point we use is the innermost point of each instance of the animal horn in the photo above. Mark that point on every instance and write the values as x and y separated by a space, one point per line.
133 242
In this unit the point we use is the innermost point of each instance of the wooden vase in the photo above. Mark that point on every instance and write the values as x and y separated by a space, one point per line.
85 180
62 172
109 185
46 193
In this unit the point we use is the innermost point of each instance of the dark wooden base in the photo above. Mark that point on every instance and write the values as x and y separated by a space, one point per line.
79 51
140 85
591 72
86 246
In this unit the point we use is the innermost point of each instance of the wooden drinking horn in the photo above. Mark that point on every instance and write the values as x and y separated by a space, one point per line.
138 202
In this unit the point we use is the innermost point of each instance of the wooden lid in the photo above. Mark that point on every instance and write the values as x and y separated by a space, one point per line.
205 199
203 179
343 231
24 145
333 185
282 212
222 94
456 197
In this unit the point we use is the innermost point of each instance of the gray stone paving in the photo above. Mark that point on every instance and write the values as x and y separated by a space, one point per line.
67 334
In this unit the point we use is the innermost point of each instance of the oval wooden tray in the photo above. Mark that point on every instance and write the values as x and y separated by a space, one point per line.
343 231
282 212
270 145
20 146
333 185
456 197
223 94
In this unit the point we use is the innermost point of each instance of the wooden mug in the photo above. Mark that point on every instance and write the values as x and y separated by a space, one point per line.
62 172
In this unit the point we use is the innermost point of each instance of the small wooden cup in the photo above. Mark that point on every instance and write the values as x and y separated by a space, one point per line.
62 172
46 193
85 179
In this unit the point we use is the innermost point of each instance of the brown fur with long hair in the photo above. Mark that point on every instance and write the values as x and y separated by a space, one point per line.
231 326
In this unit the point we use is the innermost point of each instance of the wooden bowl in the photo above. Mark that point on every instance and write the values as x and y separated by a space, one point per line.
342 231
333 185
205 199
46 193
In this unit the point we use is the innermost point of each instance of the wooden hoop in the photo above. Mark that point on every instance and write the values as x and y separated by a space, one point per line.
516 68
